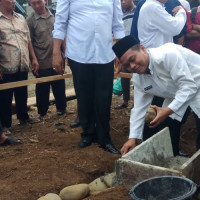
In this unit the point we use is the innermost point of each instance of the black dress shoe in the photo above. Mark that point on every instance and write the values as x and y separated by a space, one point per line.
84 143
110 148
75 123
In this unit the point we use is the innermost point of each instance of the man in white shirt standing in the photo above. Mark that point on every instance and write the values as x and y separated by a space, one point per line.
156 26
88 26
169 71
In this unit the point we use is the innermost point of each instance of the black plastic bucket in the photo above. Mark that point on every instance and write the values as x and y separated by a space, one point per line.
164 188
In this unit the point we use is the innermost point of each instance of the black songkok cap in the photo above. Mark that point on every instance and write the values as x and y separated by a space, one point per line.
124 44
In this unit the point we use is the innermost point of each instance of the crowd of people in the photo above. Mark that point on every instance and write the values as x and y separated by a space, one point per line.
156 40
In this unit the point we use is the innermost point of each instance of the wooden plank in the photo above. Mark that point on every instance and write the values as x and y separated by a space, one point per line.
33 81
191 168
47 79
123 75
32 100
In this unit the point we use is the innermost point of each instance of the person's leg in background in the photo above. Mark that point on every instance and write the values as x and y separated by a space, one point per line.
102 101
5 140
198 131
76 122
42 94
83 78
58 89
175 129
6 97
125 82
126 90
21 97
6 108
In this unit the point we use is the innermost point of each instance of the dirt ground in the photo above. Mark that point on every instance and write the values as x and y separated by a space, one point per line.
49 158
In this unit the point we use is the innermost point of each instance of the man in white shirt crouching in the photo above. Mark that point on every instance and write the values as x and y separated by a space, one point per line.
169 71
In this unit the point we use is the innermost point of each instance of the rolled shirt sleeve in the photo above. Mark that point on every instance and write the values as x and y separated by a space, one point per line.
117 27
61 19
181 74
170 25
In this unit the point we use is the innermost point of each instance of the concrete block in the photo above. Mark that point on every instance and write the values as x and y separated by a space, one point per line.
154 157
154 150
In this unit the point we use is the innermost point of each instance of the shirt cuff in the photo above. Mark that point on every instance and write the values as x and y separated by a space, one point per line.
119 34
58 35
182 10
137 136
178 111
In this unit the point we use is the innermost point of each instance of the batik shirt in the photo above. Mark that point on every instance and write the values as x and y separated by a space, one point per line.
14 39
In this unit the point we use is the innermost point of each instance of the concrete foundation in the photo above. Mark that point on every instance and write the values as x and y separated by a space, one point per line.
154 157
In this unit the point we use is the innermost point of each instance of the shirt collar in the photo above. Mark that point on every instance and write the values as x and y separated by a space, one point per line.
14 14
156 1
150 67
40 16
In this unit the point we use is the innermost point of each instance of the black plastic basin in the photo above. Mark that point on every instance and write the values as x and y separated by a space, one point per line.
164 188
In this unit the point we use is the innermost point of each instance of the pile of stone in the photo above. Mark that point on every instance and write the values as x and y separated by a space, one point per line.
81 191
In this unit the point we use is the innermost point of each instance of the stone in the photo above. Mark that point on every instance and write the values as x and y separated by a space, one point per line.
97 185
109 179
145 160
52 196
43 198
74 192
150 116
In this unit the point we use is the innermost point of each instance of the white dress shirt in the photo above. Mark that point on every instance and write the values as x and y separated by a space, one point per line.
89 25
156 26
175 76
186 4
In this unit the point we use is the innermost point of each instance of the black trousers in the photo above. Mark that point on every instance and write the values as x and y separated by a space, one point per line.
197 126
198 131
93 85
43 91
6 96
174 128
125 87
1 131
